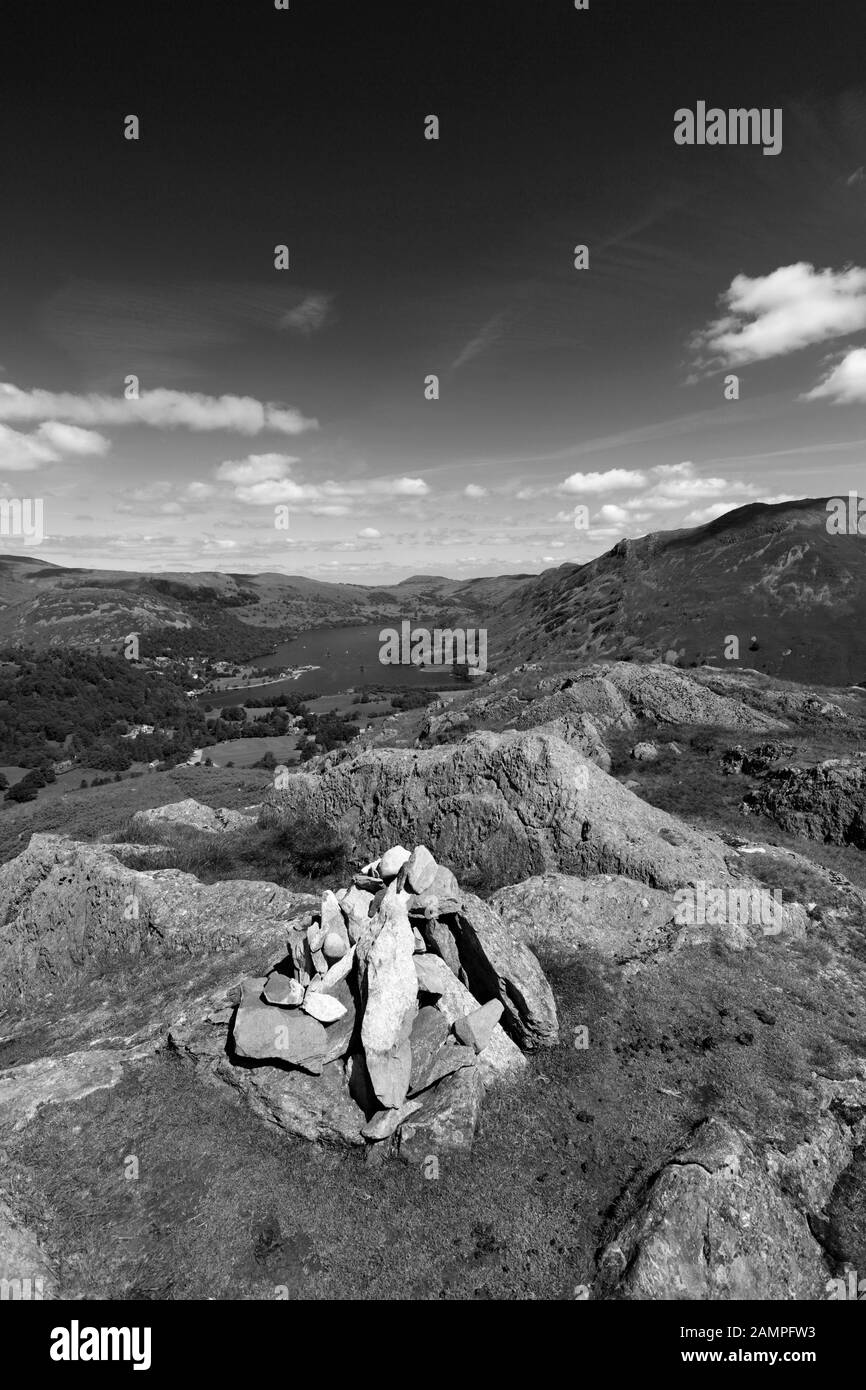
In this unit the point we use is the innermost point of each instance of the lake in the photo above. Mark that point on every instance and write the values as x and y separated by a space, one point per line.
346 656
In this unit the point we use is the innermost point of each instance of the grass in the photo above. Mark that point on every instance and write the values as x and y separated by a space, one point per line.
224 1208
305 857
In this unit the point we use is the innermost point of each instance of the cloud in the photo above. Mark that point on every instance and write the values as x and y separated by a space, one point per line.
485 338
711 513
845 383
161 409
255 468
791 308
71 439
310 315
369 533
262 480
48 444
613 515
474 490
592 483
21 453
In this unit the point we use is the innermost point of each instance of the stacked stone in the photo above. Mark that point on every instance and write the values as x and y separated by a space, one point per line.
383 978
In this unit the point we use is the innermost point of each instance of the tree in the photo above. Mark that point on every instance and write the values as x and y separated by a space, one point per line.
22 791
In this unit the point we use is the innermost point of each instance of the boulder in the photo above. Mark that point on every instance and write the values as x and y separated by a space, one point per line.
66 908
618 918
191 813
392 862
507 806
645 752
319 1108
714 1226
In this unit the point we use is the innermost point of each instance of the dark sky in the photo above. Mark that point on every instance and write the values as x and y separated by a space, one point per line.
557 387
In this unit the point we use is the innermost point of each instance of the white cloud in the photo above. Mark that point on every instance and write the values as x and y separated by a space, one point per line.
369 533
71 439
473 490
255 468
592 483
613 515
704 514
161 409
48 444
775 314
21 453
845 383
262 480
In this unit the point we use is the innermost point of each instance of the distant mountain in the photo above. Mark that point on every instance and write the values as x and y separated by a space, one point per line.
45 605
768 572
772 573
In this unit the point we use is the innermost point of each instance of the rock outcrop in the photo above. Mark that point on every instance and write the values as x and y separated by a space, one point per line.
714 1224
502 807
195 816
65 906
825 803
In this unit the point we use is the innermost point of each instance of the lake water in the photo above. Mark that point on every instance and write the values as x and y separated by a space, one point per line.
346 656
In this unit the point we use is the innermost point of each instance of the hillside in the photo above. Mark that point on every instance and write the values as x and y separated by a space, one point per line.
44 605
768 572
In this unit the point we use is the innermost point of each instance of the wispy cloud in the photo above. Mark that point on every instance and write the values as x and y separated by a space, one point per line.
161 409
313 313
489 334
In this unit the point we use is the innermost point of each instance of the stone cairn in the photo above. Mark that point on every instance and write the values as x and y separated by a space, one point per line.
376 978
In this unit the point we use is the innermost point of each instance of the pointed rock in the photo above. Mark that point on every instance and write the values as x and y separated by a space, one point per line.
476 1029
421 869
441 940
428 1035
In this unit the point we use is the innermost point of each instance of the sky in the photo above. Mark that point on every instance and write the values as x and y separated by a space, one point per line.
285 418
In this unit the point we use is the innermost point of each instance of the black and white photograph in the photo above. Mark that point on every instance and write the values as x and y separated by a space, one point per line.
433 668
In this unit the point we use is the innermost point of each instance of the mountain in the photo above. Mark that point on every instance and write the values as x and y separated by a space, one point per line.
243 615
772 573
